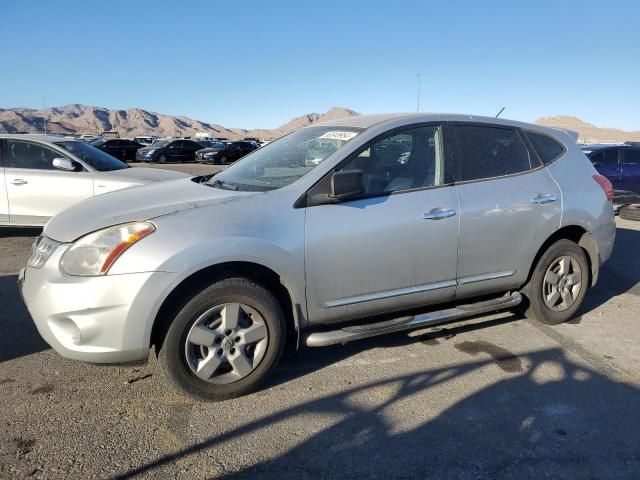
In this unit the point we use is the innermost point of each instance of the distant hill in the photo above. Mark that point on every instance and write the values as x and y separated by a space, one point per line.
589 133
87 119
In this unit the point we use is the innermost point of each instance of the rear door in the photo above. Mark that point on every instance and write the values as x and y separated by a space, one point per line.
509 205
607 162
35 189
630 169
4 200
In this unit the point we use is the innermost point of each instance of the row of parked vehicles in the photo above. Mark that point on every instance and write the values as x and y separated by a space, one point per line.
150 149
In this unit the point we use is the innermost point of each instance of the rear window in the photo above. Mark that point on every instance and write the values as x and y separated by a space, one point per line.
547 148
488 152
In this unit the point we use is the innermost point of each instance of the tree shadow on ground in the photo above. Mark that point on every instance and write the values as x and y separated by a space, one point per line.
550 417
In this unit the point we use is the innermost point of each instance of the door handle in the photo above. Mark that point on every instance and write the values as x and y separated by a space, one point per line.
543 198
439 214
19 181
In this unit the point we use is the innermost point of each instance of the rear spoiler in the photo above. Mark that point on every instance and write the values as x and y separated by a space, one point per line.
572 133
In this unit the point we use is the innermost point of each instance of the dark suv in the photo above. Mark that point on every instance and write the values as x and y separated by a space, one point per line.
226 152
619 163
164 151
120 148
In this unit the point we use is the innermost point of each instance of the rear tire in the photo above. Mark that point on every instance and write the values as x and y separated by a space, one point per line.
630 212
558 284
225 341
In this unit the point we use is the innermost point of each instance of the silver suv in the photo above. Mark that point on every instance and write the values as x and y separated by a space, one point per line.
358 220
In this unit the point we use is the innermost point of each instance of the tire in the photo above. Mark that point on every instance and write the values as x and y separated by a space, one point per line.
223 160
630 212
179 356
162 158
569 285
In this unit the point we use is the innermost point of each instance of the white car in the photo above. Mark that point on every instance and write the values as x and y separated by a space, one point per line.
41 175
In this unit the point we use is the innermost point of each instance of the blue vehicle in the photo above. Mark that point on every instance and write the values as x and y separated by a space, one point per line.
619 163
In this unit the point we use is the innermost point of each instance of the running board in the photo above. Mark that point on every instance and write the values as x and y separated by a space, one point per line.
349 334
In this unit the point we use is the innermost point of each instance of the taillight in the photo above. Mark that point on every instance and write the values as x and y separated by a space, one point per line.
605 184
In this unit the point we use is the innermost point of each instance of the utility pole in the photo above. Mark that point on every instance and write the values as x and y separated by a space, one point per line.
44 115
418 107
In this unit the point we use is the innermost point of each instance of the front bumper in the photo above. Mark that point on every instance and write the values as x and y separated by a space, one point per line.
106 319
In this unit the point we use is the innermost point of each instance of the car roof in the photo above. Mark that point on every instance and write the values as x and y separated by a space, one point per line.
38 137
602 146
367 121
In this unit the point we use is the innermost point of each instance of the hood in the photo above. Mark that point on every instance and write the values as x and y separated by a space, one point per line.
146 175
211 149
134 204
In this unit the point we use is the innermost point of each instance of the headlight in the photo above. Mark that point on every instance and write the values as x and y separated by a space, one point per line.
209 154
149 152
94 254
41 250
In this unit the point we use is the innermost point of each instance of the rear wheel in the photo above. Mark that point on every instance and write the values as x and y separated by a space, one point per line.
630 212
225 341
558 284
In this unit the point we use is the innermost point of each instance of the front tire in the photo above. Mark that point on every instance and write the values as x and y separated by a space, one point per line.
225 341
162 158
558 284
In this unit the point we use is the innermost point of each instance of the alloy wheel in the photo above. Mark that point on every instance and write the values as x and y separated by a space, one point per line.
562 283
226 343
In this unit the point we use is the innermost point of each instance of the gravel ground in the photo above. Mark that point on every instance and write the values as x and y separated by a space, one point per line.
497 397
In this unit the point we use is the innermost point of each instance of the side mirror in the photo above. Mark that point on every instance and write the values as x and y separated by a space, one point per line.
65 164
346 184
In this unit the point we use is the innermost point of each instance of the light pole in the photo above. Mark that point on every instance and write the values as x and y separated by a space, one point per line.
418 107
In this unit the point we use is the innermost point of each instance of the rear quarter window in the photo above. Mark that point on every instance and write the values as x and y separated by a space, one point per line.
547 148
488 152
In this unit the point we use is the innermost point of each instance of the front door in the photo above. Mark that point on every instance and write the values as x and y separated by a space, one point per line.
35 189
509 204
393 247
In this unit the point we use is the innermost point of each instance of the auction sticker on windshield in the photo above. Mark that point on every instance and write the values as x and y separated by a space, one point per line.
337 135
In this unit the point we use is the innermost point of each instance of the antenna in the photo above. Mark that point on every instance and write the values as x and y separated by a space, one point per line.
418 107
501 110
44 115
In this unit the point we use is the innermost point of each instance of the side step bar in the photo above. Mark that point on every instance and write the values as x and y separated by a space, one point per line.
349 334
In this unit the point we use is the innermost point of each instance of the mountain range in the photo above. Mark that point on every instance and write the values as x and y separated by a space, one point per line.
88 119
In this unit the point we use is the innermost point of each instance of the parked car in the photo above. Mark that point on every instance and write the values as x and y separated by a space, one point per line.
225 152
216 272
145 140
41 175
122 149
164 151
619 163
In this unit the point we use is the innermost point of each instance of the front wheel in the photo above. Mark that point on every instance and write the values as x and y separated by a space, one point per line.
225 341
558 284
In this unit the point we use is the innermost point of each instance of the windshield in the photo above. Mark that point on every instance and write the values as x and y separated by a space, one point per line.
97 142
284 161
103 162
161 143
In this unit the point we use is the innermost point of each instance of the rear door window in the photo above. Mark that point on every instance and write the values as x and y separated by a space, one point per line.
631 156
488 152
547 148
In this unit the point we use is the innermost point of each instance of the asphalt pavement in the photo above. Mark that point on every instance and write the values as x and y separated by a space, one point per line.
498 397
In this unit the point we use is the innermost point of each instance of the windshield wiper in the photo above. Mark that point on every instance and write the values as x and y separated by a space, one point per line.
223 185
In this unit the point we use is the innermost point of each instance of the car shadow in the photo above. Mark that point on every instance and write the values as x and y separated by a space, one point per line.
19 335
544 417
620 274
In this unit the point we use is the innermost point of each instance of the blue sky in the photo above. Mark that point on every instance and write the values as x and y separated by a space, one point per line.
258 64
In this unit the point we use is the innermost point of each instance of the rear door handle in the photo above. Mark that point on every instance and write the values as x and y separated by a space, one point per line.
439 214
19 181
543 198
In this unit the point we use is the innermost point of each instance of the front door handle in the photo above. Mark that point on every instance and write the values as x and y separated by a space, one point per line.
19 181
439 214
543 198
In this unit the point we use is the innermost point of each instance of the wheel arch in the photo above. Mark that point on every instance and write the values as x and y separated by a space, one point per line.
204 277
580 236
